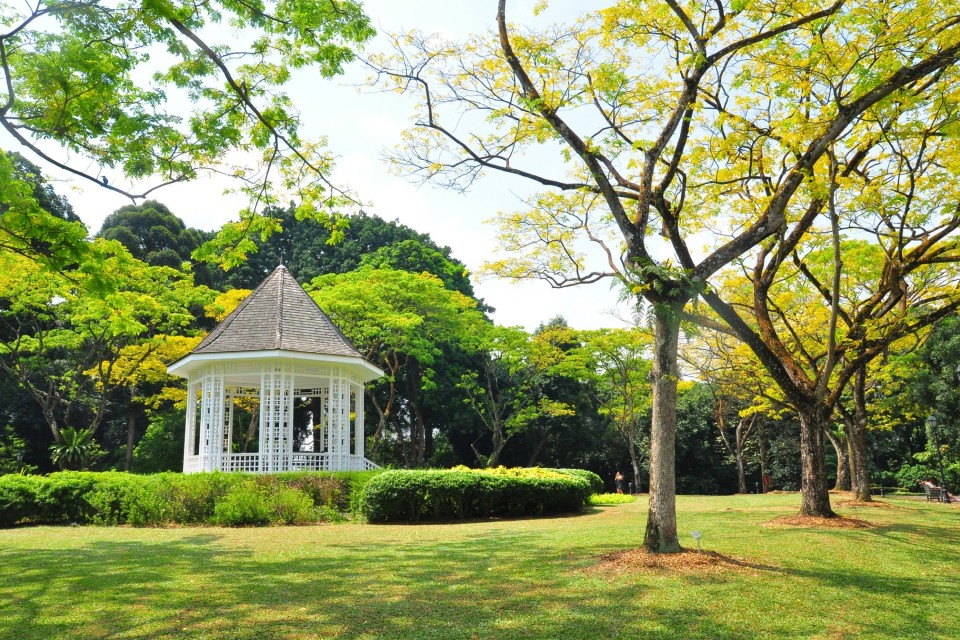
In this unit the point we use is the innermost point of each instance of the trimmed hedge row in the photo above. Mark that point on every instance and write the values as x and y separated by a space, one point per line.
596 482
414 496
230 499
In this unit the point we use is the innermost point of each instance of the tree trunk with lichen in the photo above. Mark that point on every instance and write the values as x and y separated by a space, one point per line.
814 490
661 532
857 440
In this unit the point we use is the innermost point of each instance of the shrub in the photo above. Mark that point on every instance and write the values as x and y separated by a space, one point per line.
173 498
607 499
596 482
412 496
242 505
18 499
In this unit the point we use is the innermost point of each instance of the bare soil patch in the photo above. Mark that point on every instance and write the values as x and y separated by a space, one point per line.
876 504
687 562
838 522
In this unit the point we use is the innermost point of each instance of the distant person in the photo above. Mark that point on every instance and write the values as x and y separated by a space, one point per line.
767 481
618 480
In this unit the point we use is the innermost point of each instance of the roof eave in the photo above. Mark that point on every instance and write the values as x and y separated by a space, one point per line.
186 365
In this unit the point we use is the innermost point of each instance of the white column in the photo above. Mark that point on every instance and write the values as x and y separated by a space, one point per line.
190 428
227 444
276 418
211 421
358 424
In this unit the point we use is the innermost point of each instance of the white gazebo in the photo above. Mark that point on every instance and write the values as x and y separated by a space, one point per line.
277 346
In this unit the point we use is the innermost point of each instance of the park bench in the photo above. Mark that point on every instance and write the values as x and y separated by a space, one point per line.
933 493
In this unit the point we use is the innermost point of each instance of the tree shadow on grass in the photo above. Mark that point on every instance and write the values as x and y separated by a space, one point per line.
490 586
496 583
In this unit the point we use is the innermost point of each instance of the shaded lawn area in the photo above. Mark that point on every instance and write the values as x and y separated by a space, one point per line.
509 579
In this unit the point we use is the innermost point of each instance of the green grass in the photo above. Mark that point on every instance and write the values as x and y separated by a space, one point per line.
507 579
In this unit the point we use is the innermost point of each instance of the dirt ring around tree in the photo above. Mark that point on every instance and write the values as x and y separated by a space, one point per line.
687 562
817 522
874 504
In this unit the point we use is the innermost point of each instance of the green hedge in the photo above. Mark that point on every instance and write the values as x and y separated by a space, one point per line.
173 498
596 482
414 496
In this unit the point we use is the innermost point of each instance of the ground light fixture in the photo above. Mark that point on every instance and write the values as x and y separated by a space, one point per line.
932 423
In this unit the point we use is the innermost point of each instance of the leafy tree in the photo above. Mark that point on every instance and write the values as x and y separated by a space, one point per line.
153 234
43 193
508 393
617 363
65 343
673 119
74 74
13 451
401 322
55 239
415 256
161 448
935 390
308 249
139 373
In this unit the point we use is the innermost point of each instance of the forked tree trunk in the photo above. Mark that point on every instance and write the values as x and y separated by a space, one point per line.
762 445
843 462
814 491
857 441
661 533
741 472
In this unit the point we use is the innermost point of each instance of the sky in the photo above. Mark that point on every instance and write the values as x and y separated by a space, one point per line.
360 124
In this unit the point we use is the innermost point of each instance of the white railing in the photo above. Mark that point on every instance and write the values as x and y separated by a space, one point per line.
296 461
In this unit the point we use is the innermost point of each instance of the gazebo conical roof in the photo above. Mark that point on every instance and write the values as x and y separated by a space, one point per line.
278 316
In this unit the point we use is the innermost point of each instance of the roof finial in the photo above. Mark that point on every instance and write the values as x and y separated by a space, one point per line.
281 258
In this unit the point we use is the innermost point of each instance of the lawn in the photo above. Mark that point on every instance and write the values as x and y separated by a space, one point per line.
539 578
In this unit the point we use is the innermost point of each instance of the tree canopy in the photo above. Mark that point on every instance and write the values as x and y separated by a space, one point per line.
670 123
138 95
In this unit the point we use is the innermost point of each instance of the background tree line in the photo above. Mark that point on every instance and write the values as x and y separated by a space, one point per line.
459 389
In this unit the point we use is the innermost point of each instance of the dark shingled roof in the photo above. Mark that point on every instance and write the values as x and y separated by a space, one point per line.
278 315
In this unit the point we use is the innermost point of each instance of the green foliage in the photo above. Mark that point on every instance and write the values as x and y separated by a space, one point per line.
27 227
607 499
155 235
418 257
82 74
252 503
77 450
596 482
414 496
18 499
171 498
161 447
10 446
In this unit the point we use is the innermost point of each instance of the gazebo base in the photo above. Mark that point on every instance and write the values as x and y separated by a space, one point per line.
255 463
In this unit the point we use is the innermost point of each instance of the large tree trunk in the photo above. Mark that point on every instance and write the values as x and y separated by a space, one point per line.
661 533
418 429
499 441
741 472
843 462
814 492
635 463
762 446
857 440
